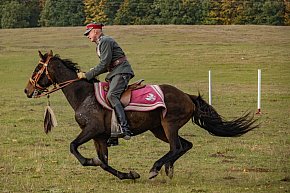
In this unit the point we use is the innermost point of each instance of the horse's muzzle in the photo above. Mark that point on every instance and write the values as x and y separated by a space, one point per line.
30 91
28 94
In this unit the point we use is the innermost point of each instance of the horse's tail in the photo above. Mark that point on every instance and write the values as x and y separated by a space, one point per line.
208 118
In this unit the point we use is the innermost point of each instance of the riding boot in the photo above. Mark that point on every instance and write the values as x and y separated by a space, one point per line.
121 116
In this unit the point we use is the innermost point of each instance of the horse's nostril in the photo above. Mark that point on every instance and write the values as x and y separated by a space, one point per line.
25 91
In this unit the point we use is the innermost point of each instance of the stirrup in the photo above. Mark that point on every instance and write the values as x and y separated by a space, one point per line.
126 133
112 141
127 137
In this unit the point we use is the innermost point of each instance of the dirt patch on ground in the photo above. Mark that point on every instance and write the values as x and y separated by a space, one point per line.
286 179
222 155
229 178
250 170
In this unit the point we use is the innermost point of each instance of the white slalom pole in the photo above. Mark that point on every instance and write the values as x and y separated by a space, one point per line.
259 91
209 87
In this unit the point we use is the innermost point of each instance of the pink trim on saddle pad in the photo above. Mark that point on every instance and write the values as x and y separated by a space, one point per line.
144 99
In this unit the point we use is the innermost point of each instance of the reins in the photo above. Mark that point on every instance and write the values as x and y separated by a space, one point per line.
57 86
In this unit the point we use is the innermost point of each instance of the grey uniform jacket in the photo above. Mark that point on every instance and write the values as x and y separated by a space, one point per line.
109 51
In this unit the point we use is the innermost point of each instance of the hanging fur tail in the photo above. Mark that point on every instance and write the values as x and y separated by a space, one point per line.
208 118
49 119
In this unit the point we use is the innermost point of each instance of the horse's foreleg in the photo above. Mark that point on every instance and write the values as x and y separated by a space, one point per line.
121 175
82 138
102 151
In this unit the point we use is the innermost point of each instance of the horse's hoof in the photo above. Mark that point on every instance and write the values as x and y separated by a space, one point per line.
169 170
134 175
97 161
153 174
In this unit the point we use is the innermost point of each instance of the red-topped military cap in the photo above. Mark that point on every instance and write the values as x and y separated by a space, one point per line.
91 26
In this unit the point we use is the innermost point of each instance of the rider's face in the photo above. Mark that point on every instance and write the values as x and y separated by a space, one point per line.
94 35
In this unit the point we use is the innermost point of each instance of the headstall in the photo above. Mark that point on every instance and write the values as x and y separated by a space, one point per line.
56 86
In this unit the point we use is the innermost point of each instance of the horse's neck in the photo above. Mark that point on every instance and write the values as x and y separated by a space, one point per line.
77 92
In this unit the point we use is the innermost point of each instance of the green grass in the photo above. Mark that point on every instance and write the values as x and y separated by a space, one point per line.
31 161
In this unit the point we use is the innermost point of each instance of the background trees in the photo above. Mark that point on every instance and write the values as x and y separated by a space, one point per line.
95 11
62 13
33 13
14 14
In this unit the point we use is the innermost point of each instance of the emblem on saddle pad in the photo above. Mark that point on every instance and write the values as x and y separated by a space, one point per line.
150 97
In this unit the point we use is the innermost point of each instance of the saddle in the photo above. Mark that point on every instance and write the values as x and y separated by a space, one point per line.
126 96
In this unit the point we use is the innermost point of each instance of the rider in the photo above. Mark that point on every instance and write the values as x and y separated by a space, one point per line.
112 60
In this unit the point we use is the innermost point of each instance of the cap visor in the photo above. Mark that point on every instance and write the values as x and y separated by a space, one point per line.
87 31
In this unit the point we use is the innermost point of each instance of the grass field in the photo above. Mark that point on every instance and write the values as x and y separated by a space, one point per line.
31 161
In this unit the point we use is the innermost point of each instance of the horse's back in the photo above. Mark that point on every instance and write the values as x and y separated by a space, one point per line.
175 95
179 105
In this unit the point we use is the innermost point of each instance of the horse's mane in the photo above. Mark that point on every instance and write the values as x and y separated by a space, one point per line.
68 63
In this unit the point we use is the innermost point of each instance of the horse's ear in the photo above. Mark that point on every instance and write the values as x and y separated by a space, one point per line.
40 55
50 53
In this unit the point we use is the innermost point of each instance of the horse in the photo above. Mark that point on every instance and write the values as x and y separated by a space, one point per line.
95 121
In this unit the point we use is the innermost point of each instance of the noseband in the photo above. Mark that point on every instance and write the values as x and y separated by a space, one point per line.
44 91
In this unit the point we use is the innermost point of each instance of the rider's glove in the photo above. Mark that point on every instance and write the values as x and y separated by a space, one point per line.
81 75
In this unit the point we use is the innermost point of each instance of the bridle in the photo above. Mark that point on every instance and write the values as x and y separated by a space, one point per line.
34 80
56 86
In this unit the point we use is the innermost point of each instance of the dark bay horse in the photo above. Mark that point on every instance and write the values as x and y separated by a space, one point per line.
95 121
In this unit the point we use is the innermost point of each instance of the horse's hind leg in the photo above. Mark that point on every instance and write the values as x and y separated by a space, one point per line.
102 151
186 145
171 133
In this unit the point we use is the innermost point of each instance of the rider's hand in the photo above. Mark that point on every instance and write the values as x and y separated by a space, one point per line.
81 75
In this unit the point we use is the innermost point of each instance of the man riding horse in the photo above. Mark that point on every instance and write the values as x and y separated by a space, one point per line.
114 61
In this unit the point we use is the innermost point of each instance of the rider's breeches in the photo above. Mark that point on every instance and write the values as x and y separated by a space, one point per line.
118 84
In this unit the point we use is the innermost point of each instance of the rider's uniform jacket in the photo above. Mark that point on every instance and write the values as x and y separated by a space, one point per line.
109 52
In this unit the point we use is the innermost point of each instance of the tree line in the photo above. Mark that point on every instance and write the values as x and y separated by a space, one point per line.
44 13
